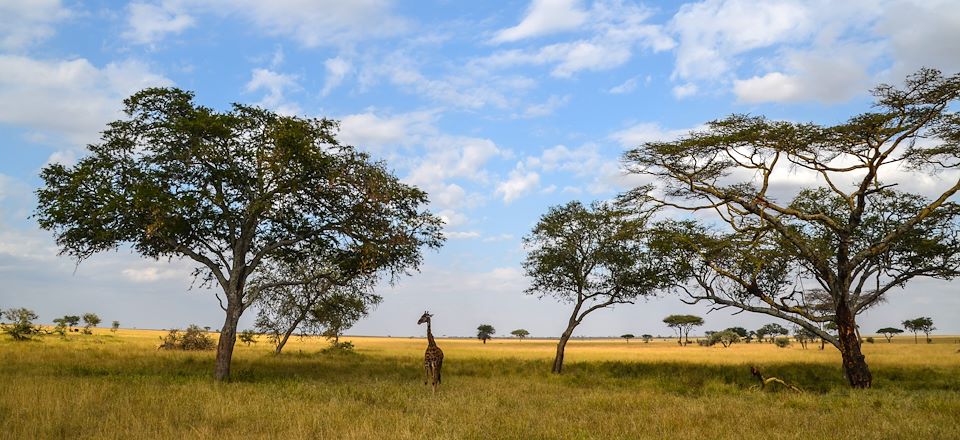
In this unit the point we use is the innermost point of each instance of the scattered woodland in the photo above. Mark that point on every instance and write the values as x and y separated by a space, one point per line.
285 222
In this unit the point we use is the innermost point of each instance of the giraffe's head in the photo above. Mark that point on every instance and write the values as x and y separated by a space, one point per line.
425 318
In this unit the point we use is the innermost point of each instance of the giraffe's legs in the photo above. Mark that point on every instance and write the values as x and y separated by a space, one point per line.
426 371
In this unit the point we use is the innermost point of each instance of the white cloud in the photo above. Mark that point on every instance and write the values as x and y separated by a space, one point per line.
624 87
545 17
68 98
518 184
23 23
546 108
337 70
713 32
148 23
922 33
276 85
637 134
369 130
684 90
151 274
615 30
461 235
313 23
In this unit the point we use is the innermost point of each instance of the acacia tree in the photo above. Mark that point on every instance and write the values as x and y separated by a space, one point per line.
90 321
921 324
485 332
230 191
855 241
646 338
773 330
591 257
628 337
520 333
683 324
114 326
889 332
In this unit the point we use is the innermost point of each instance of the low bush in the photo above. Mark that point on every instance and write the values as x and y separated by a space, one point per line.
194 338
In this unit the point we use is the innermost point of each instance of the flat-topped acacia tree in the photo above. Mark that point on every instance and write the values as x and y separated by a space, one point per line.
852 234
231 190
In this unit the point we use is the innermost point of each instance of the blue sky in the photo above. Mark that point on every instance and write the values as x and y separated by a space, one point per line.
497 109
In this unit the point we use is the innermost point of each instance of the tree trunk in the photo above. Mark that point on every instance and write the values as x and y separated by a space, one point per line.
484 340
558 361
286 335
854 364
228 338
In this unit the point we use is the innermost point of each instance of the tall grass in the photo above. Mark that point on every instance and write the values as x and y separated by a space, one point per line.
120 386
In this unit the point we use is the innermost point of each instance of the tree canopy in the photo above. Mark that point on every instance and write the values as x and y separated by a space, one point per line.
922 324
591 257
520 333
683 324
889 332
230 191
485 332
856 236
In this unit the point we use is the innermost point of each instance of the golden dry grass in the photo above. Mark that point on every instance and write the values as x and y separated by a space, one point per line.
120 386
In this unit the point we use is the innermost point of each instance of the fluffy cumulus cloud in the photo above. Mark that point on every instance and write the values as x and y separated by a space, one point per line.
545 17
275 86
793 51
23 23
520 182
73 99
337 69
148 23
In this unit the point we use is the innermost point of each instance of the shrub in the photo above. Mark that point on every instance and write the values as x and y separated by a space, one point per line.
194 338
248 337
345 347
870 339
782 341
21 327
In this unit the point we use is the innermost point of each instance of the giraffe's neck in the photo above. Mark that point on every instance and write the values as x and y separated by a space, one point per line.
430 341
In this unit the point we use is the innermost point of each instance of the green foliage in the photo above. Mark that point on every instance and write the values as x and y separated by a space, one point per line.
193 339
628 337
485 332
248 337
90 320
852 233
646 338
922 324
803 336
21 326
781 341
870 340
725 337
520 333
114 326
889 332
683 324
772 329
232 191
339 348
740 331
71 320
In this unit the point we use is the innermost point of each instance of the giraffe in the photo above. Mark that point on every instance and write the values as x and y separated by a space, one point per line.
433 358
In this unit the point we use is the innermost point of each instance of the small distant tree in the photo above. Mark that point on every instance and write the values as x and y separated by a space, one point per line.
114 326
90 321
520 333
646 338
773 330
921 324
485 332
803 336
781 341
21 326
683 324
61 327
740 331
726 338
628 337
72 321
193 339
889 332
248 337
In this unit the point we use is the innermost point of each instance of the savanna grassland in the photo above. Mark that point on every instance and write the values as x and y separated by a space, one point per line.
120 386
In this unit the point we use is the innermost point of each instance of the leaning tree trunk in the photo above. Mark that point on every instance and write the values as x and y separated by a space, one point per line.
854 364
558 361
286 335
228 338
